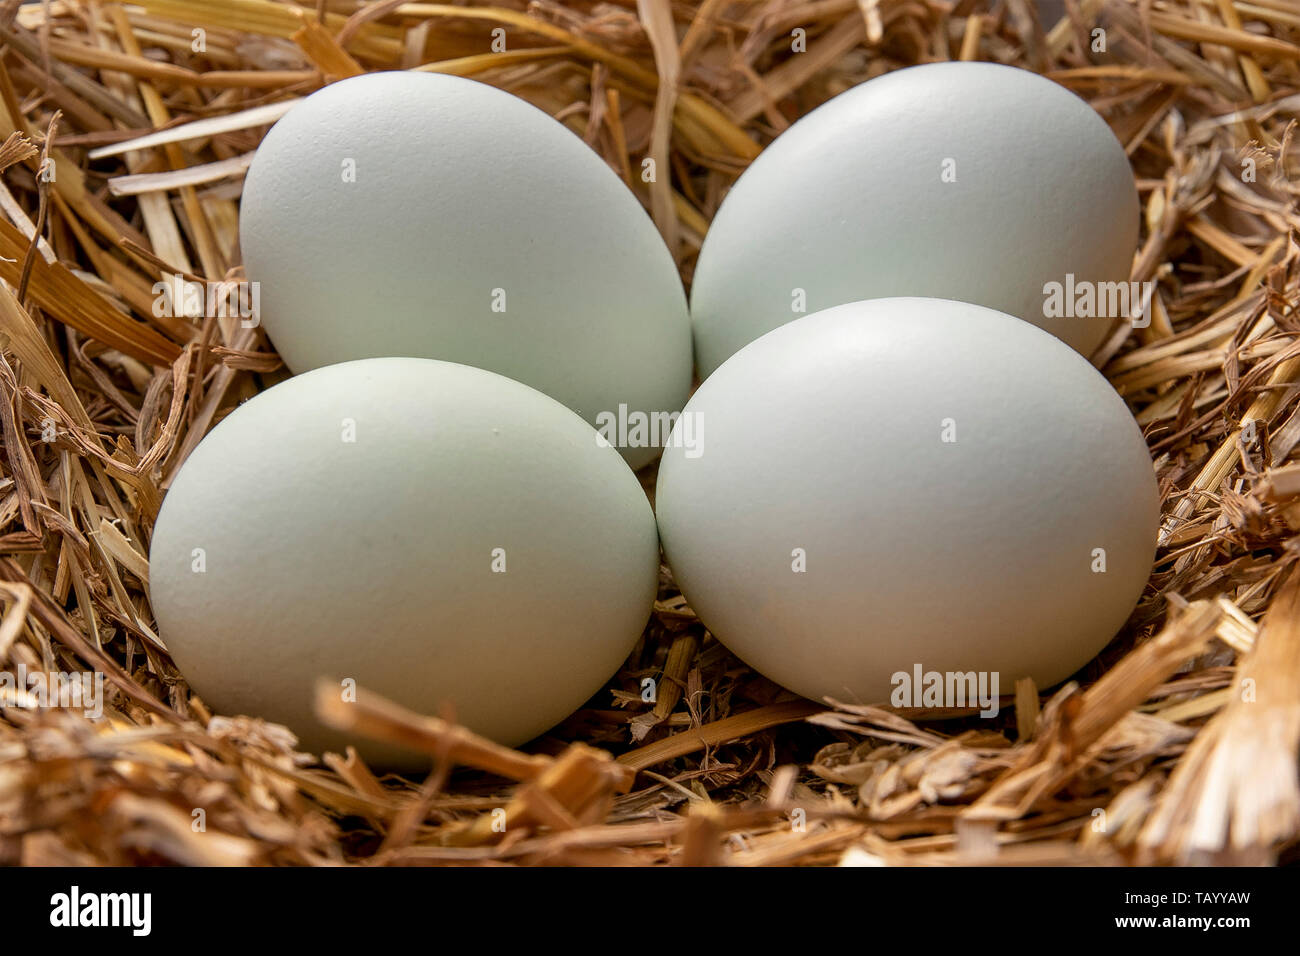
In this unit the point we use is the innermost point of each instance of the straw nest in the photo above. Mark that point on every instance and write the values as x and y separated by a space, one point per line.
1178 744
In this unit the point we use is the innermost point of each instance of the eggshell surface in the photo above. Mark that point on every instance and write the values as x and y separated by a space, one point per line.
968 181
416 214
435 533
905 482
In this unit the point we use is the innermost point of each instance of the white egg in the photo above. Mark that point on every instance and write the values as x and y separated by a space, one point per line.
431 531
432 216
908 482
968 181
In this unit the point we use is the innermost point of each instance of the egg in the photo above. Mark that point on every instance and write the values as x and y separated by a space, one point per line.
908 486
416 214
433 532
968 181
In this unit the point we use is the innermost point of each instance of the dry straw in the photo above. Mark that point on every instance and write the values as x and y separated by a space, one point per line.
1178 744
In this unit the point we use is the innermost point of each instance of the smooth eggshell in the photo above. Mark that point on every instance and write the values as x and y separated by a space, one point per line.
850 203
396 213
372 558
829 435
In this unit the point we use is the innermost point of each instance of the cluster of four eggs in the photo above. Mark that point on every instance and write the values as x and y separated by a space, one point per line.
465 290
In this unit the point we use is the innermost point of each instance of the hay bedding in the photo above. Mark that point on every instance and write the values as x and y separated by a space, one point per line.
1178 744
